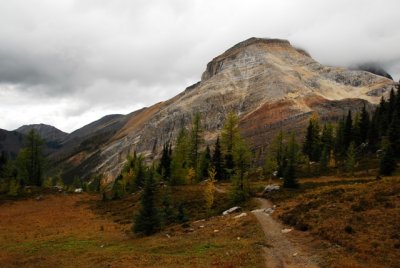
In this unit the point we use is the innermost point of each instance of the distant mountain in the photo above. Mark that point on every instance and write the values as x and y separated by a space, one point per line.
375 69
10 142
46 132
269 83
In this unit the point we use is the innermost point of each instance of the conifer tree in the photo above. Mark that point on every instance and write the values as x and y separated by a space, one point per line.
196 140
394 133
348 131
180 161
351 158
217 161
388 160
164 167
270 166
147 221
292 156
278 152
31 160
242 158
229 139
205 164
364 125
312 143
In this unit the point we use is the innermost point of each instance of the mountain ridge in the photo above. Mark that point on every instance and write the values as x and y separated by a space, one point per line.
268 83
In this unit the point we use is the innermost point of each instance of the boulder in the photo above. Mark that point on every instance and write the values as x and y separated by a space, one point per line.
231 210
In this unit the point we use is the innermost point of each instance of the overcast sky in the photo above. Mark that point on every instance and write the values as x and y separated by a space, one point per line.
68 63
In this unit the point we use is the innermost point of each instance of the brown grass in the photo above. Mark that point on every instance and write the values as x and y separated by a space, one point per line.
360 218
63 230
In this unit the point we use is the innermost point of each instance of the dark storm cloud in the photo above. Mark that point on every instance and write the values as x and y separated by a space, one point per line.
68 62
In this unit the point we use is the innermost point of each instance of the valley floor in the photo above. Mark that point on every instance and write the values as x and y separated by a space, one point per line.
328 222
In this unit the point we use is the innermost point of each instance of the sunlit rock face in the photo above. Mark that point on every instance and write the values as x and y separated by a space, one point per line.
268 83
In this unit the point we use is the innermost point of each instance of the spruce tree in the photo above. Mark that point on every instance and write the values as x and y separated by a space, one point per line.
312 143
364 125
292 156
348 131
164 167
229 138
196 140
351 158
147 221
217 161
205 164
278 151
180 159
242 157
388 160
31 160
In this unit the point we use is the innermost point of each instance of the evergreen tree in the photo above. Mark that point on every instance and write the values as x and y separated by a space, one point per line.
217 161
351 158
205 164
270 166
167 210
373 132
196 140
242 158
180 161
340 148
312 143
31 161
348 131
324 159
147 221
278 152
388 160
164 167
394 133
229 138
364 125
292 156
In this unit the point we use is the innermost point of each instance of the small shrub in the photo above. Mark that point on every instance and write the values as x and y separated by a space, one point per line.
348 229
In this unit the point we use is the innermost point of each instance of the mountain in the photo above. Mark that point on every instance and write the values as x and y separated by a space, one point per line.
46 132
10 142
269 83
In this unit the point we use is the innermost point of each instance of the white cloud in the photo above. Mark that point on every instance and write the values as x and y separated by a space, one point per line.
69 62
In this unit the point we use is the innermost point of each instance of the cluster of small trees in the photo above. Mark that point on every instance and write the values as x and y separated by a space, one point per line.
357 138
186 163
27 169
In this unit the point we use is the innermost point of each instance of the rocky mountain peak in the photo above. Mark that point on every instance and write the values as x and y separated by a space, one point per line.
251 47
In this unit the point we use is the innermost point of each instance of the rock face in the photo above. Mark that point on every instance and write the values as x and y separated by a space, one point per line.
271 86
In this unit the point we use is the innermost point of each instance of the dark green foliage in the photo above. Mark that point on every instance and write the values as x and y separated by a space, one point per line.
229 137
217 161
31 161
205 164
388 160
164 167
348 130
180 159
182 215
364 125
242 159
147 221
312 143
167 212
291 159
196 140
278 152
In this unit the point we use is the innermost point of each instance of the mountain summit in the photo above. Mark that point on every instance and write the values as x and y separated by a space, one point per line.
269 83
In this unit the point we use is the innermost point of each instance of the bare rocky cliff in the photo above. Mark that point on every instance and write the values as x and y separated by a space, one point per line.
269 83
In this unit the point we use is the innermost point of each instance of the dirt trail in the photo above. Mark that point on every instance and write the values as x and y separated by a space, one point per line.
280 251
